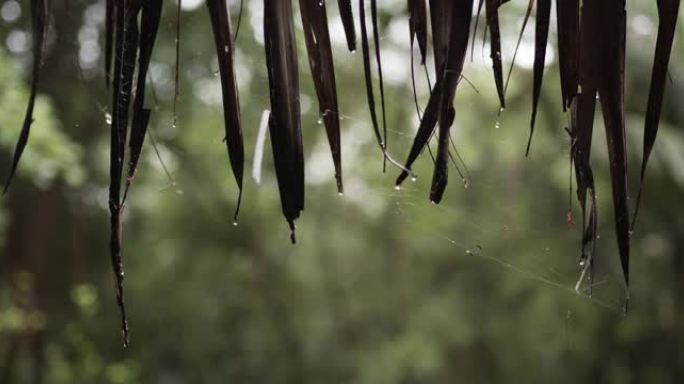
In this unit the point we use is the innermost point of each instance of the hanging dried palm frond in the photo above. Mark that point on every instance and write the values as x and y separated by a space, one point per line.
461 11
39 20
567 14
492 13
314 21
668 11
284 122
131 42
540 41
347 17
225 51
591 47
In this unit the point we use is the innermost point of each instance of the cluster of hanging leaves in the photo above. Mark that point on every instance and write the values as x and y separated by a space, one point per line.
591 43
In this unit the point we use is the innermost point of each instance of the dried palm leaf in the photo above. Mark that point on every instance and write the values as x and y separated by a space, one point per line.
126 43
540 41
347 17
225 51
314 21
668 10
284 123
39 21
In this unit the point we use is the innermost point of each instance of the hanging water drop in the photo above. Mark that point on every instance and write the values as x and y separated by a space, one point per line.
235 223
108 118
397 187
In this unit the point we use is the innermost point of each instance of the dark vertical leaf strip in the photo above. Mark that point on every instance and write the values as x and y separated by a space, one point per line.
124 68
149 25
225 52
441 16
284 122
668 10
541 37
568 32
418 26
492 12
381 83
582 120
39 21
611 21
317 36
347 16
461 11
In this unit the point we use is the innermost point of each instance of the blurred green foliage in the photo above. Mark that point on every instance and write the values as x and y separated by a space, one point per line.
383 287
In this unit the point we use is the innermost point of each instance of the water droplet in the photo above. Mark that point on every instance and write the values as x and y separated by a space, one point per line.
414 178
340 193
582 263
320 121
468 252
108 118
497 125
235 223
397 187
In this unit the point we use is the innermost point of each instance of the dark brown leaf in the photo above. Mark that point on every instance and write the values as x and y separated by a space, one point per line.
492 12
668 10
149 25
461 11
568 32
284 122
39 21
317 37
540 41
347 17
124 67
225 51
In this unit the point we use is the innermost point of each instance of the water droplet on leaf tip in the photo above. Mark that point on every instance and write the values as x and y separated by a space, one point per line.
320 121
397 187
497 125
235 223
414 178
340 193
